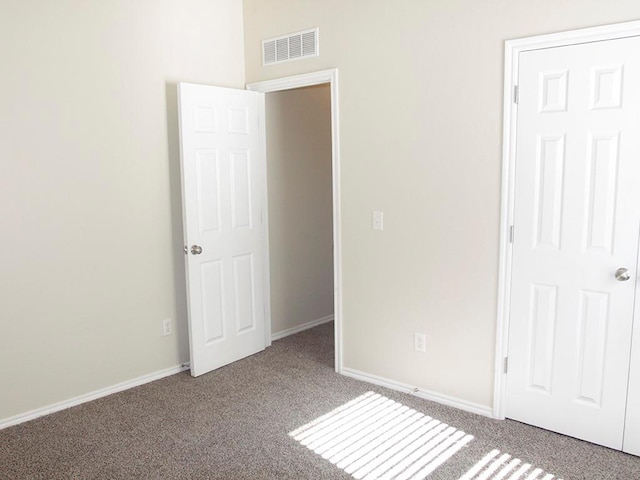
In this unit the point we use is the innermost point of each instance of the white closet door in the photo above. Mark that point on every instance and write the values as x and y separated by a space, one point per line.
576 217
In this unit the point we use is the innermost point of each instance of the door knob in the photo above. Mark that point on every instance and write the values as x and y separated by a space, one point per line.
622 274
197 250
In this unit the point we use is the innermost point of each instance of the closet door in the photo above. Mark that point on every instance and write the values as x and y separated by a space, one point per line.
576 219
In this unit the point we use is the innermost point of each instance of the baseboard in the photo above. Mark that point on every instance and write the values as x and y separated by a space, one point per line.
301 328
87 397
426 394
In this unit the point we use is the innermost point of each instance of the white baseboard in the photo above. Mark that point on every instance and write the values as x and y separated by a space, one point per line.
426 394
300 328
87 397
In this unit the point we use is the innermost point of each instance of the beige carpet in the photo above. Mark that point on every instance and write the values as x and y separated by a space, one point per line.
282 414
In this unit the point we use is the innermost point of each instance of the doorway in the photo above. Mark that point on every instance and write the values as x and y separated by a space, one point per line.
564 359
327 79
298 150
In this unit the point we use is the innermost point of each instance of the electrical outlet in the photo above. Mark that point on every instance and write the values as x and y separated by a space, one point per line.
166 326
420 342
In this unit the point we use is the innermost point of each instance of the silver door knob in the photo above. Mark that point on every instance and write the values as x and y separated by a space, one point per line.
622 274
196 249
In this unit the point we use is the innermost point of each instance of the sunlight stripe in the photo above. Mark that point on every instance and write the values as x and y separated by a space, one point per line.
400 462
358 429
497 463
337 418
443 457
534 474
412 464
506 470
328 437
520 472
375 437
395 442
407 423
480 465
348 416
332 413
405 446
368 436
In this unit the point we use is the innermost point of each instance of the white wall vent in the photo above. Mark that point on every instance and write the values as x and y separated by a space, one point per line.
290 47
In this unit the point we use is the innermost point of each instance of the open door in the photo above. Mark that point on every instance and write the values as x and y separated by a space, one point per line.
223 181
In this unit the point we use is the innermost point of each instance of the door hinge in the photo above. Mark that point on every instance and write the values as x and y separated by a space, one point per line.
516 94
506 364
511 233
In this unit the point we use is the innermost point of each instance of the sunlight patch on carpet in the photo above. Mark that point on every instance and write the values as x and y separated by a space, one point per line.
497 467
374 437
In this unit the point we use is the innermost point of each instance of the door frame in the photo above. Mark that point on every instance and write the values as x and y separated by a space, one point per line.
512 50
289 83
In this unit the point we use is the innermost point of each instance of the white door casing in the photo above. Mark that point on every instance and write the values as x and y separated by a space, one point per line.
631 442
223 177
329 77
556 202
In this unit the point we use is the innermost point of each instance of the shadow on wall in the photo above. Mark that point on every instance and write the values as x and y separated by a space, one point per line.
175 188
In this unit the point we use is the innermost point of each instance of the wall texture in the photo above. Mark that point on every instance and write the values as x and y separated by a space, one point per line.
91 257
420 126
300 205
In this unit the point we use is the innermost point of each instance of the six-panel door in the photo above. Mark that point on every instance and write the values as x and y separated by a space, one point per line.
223 176
576 217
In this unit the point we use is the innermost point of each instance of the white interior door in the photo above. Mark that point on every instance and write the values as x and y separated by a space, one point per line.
576 218
222 183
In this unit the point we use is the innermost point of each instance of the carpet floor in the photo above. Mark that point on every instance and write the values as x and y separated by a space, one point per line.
235 423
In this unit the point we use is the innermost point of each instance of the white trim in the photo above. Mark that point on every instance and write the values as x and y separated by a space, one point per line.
307 80
512 50
301 328
424 394
296 81
265 224
574 37
87 397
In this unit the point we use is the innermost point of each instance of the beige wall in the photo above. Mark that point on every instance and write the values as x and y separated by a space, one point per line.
300 205
421 121
90 253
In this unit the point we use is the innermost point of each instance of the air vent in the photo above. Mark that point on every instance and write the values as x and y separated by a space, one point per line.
290 47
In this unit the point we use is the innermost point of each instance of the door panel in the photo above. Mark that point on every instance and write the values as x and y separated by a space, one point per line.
223 177
576 221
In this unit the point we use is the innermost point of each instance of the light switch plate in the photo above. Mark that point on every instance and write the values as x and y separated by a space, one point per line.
377 219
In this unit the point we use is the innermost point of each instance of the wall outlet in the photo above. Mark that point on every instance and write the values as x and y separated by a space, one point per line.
166 326
420 342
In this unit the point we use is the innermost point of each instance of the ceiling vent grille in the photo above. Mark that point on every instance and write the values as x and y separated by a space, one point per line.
290 47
